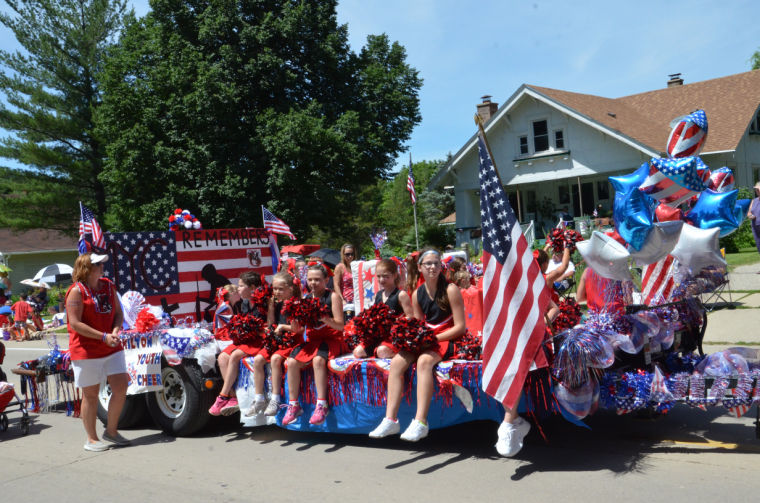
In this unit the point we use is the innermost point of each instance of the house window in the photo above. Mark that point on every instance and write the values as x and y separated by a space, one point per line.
564 194
540 136
523 145
603 189
559 139
755 126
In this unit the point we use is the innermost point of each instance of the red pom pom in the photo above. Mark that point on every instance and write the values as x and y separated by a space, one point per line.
274 342
370 327
146 321
178 211
412 335
245 329
260 298
569 316
185 217
468 347
308 312
172 218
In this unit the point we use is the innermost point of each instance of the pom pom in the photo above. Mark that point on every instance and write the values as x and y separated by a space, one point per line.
569 316
172 218
274 342
245 329
556 239
307 312
187 224
468 347
196 225
571 236
146 321
260 298
412 335
370 327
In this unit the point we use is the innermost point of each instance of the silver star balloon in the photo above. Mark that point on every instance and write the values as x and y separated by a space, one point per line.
605 256
660 241
698 248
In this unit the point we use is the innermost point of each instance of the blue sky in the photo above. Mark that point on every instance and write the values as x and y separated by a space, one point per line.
605 48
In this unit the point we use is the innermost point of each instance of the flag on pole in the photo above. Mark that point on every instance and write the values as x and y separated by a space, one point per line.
88 225
410 184
657 281
515 296
275 225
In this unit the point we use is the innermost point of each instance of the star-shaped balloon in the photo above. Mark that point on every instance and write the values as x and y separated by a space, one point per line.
633 209
715 209
605 256
659 244
698 248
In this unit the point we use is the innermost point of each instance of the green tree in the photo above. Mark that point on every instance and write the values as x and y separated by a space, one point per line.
51 89
755 60
222 106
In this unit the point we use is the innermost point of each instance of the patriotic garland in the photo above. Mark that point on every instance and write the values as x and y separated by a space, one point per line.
307 312
412 335
245 329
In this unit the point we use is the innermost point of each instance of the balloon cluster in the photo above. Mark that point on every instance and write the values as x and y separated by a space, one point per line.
146 321
260 298
183 219
307 312
559 239
245 329
676 205
274 341
569 315
371 327
412 335
468 347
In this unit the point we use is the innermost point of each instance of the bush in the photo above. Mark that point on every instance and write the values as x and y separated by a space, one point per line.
742 237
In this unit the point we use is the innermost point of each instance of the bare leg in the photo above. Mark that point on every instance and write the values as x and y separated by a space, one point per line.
223 360
385 352
360 352
399 364
89 411
232 371
276 365
259 374
294 378
118 383
320 376
511 415
425 364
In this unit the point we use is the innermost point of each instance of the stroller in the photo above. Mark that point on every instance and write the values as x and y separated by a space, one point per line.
7 396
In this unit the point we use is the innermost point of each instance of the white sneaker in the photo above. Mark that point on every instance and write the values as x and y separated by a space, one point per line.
259 406
272 408
96 446
385 428
416 431
511 437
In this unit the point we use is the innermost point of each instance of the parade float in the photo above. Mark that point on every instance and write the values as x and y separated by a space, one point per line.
643 354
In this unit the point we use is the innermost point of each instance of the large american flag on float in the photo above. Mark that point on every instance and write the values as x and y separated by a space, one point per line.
672 181
182 270
657 281
515 295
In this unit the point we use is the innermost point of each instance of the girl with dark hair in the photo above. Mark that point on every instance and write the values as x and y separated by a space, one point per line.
439 304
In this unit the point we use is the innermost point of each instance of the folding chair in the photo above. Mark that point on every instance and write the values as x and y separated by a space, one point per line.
719 293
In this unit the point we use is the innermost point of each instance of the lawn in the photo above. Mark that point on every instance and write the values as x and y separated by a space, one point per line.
745 256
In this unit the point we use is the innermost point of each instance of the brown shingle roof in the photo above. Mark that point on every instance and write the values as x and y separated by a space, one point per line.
35 240
729 102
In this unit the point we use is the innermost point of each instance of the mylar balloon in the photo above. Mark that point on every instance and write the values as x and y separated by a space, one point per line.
606 256
688 135
659 244
698 248
673 181
578 401
664 213
703 172
715 209
721 180
633 210
743 204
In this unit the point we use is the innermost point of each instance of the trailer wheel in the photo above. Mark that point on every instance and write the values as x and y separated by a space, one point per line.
181 408
133 413
3 422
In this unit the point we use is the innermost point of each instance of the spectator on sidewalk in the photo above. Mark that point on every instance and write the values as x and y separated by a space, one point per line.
754 215
21 312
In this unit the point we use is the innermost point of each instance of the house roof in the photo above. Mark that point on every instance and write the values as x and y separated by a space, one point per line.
729 102
35 240
451 219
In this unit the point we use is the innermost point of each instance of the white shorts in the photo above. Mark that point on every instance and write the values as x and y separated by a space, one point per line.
94 370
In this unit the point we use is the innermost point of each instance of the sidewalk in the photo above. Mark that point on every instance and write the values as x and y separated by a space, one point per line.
745 277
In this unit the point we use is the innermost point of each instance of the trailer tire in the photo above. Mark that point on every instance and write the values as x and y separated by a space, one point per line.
181 408
133 413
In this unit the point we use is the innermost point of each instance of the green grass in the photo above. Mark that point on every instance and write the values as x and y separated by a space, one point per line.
745 256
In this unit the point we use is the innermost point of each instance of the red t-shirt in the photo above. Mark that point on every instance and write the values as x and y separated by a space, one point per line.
97 312
21 310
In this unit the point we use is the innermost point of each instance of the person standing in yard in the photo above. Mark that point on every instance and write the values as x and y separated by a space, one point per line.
21 312
754 215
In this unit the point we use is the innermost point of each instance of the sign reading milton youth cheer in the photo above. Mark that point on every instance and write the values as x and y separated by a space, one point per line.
181 271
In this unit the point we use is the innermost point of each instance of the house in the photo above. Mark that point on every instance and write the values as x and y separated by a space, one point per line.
29 251
555 148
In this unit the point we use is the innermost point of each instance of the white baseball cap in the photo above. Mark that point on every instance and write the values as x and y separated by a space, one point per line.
97 258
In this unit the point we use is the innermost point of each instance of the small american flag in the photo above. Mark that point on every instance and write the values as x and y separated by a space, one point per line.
515 295
275 225
88 225
410 184
657 281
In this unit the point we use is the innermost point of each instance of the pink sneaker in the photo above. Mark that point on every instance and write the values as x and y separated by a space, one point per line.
216 409
230 407
291 414
319 415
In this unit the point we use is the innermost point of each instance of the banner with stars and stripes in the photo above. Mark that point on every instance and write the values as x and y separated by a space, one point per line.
181 271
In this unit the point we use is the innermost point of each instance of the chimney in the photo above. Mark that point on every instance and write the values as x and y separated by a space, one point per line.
487 109
675 80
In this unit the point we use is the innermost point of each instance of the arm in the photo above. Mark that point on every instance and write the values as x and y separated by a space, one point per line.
749 211
74 308
336 322
559 271
457 311
270 312
580 294
118 315
406 304
338 280
569 272
551 312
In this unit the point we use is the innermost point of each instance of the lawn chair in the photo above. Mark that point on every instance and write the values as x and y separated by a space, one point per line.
718 294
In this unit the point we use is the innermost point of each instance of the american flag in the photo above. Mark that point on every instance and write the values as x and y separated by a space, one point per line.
410 184
88 225
182 270
672 181
688 135
275 225
515 295
657 281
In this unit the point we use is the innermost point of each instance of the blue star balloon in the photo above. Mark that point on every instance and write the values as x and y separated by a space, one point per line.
715 209
633 209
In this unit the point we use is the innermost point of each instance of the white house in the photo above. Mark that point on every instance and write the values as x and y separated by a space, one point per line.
556 148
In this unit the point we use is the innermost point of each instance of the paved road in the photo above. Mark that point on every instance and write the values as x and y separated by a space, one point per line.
685 455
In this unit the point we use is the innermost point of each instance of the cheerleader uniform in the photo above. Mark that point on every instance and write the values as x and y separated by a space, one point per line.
395 307
279 319
322 340
438 321
245 307
603 294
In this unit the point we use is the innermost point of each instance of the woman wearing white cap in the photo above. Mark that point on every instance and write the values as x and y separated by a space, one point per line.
754 215
94 320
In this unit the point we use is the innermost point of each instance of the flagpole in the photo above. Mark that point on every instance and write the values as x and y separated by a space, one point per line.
262 216
414 207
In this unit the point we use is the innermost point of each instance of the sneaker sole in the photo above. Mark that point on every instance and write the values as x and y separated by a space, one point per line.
228 411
